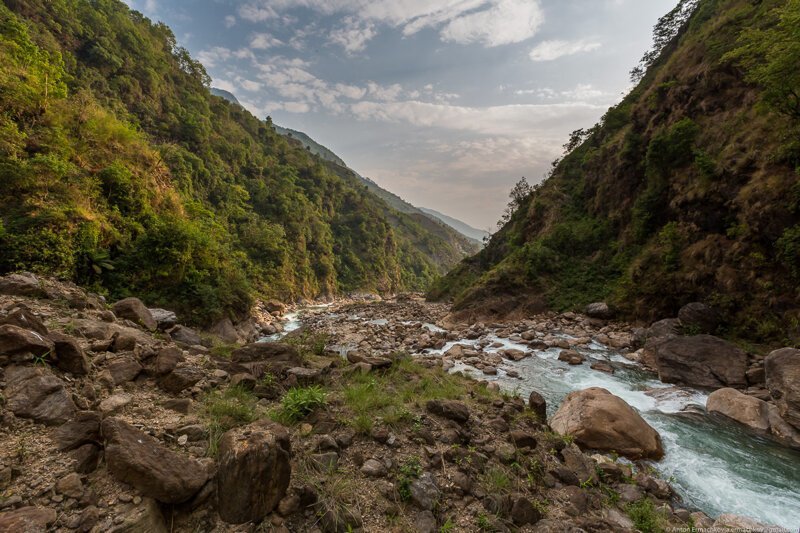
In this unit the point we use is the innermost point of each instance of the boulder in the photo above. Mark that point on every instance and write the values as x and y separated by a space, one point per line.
27 519
34 392
181 378
740 523
164 319
22 284
19 345
274 306
277 356
702 361
598 310
450 409
83 429
538 405
744 409
254 471
699 317
134 310
138 459
224 330
570 357
667 327
145 517
782 369
167 359
599 420
24 318
70 357
123 369
185 335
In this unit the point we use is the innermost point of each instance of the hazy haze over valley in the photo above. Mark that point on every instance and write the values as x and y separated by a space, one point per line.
446 104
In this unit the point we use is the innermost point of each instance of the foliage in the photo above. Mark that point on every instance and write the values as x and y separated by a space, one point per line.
410 470
225 410
645 516
299 402
666 29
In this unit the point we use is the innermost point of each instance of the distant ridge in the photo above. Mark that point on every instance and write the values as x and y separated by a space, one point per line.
461 227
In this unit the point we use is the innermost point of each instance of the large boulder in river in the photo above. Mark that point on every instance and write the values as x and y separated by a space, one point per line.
254 471
699 317
744 409
134 310
34 392
702 361
782 370
138 459
599 420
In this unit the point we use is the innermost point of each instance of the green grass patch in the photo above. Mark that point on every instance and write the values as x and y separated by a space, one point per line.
225 410
646 517
298 403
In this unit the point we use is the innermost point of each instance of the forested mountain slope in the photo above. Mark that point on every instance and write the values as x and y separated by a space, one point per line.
687 190
121 171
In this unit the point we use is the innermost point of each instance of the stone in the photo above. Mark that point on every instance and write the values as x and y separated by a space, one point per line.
86 458
782 368
630 493
373 468
425 522
424 492
699 318
167 359
24 318
185 335
325 462
123 342
164 319
599 420
538 405
253 473
602 366
134 310
523 512
276 356
225 331
740 523
598 310
450 409
19 345
135 458
571 357
70 486
289 505
144 517
522 439
667 327
744 409
70 357
83 429
702 361
22 284
123 369
34 392
27 519
179 405
115 402
181 378
274 306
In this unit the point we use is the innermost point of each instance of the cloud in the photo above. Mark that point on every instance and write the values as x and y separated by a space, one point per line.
262 41
230 21
552 50
355 34
506 22
583 92
258 12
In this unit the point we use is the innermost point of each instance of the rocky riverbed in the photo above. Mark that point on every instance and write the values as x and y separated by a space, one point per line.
364 415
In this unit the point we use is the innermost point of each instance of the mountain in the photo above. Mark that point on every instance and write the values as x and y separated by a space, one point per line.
225 94
688 190
310 144
462 227
121 171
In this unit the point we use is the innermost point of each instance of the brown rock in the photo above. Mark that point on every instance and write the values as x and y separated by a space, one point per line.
254 472
24 318
167 359
181 378
277 356
20 345
702 361
740 407
83 429
70 357
185 335
224 330
123 369
70 486
599 420
27 519
450 409
538 405
134 310
34 392
86 458
699 317
783 382
138 459
570 357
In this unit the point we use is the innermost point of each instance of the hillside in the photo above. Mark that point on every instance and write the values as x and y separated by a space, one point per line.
462 227
687 190
122 172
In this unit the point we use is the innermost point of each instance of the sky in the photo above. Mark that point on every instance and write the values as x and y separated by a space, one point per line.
447 103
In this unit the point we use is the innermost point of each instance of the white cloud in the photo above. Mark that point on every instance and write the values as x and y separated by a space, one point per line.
262 41
583 92
506 22
257 12
354 35
230 21
552 50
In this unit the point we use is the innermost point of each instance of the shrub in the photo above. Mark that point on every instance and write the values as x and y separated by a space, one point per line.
645 516
299 402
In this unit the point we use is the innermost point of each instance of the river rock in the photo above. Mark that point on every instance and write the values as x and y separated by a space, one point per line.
740 523
22 284
164 319
24 318
34 392
224 329
570 357
134 310
598 310
699 317
254 471
538 405
740 407
136 458
599 420
782 368
702 361
185 335
19 345
70 357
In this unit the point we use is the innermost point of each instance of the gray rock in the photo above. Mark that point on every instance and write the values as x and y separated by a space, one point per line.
185 335
167 359
702 361
699 317
523 512
538 405
373 468
164 319
35 393
424 492
425 522
19 345
450 409
22 284
783 382
181 378
598 310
